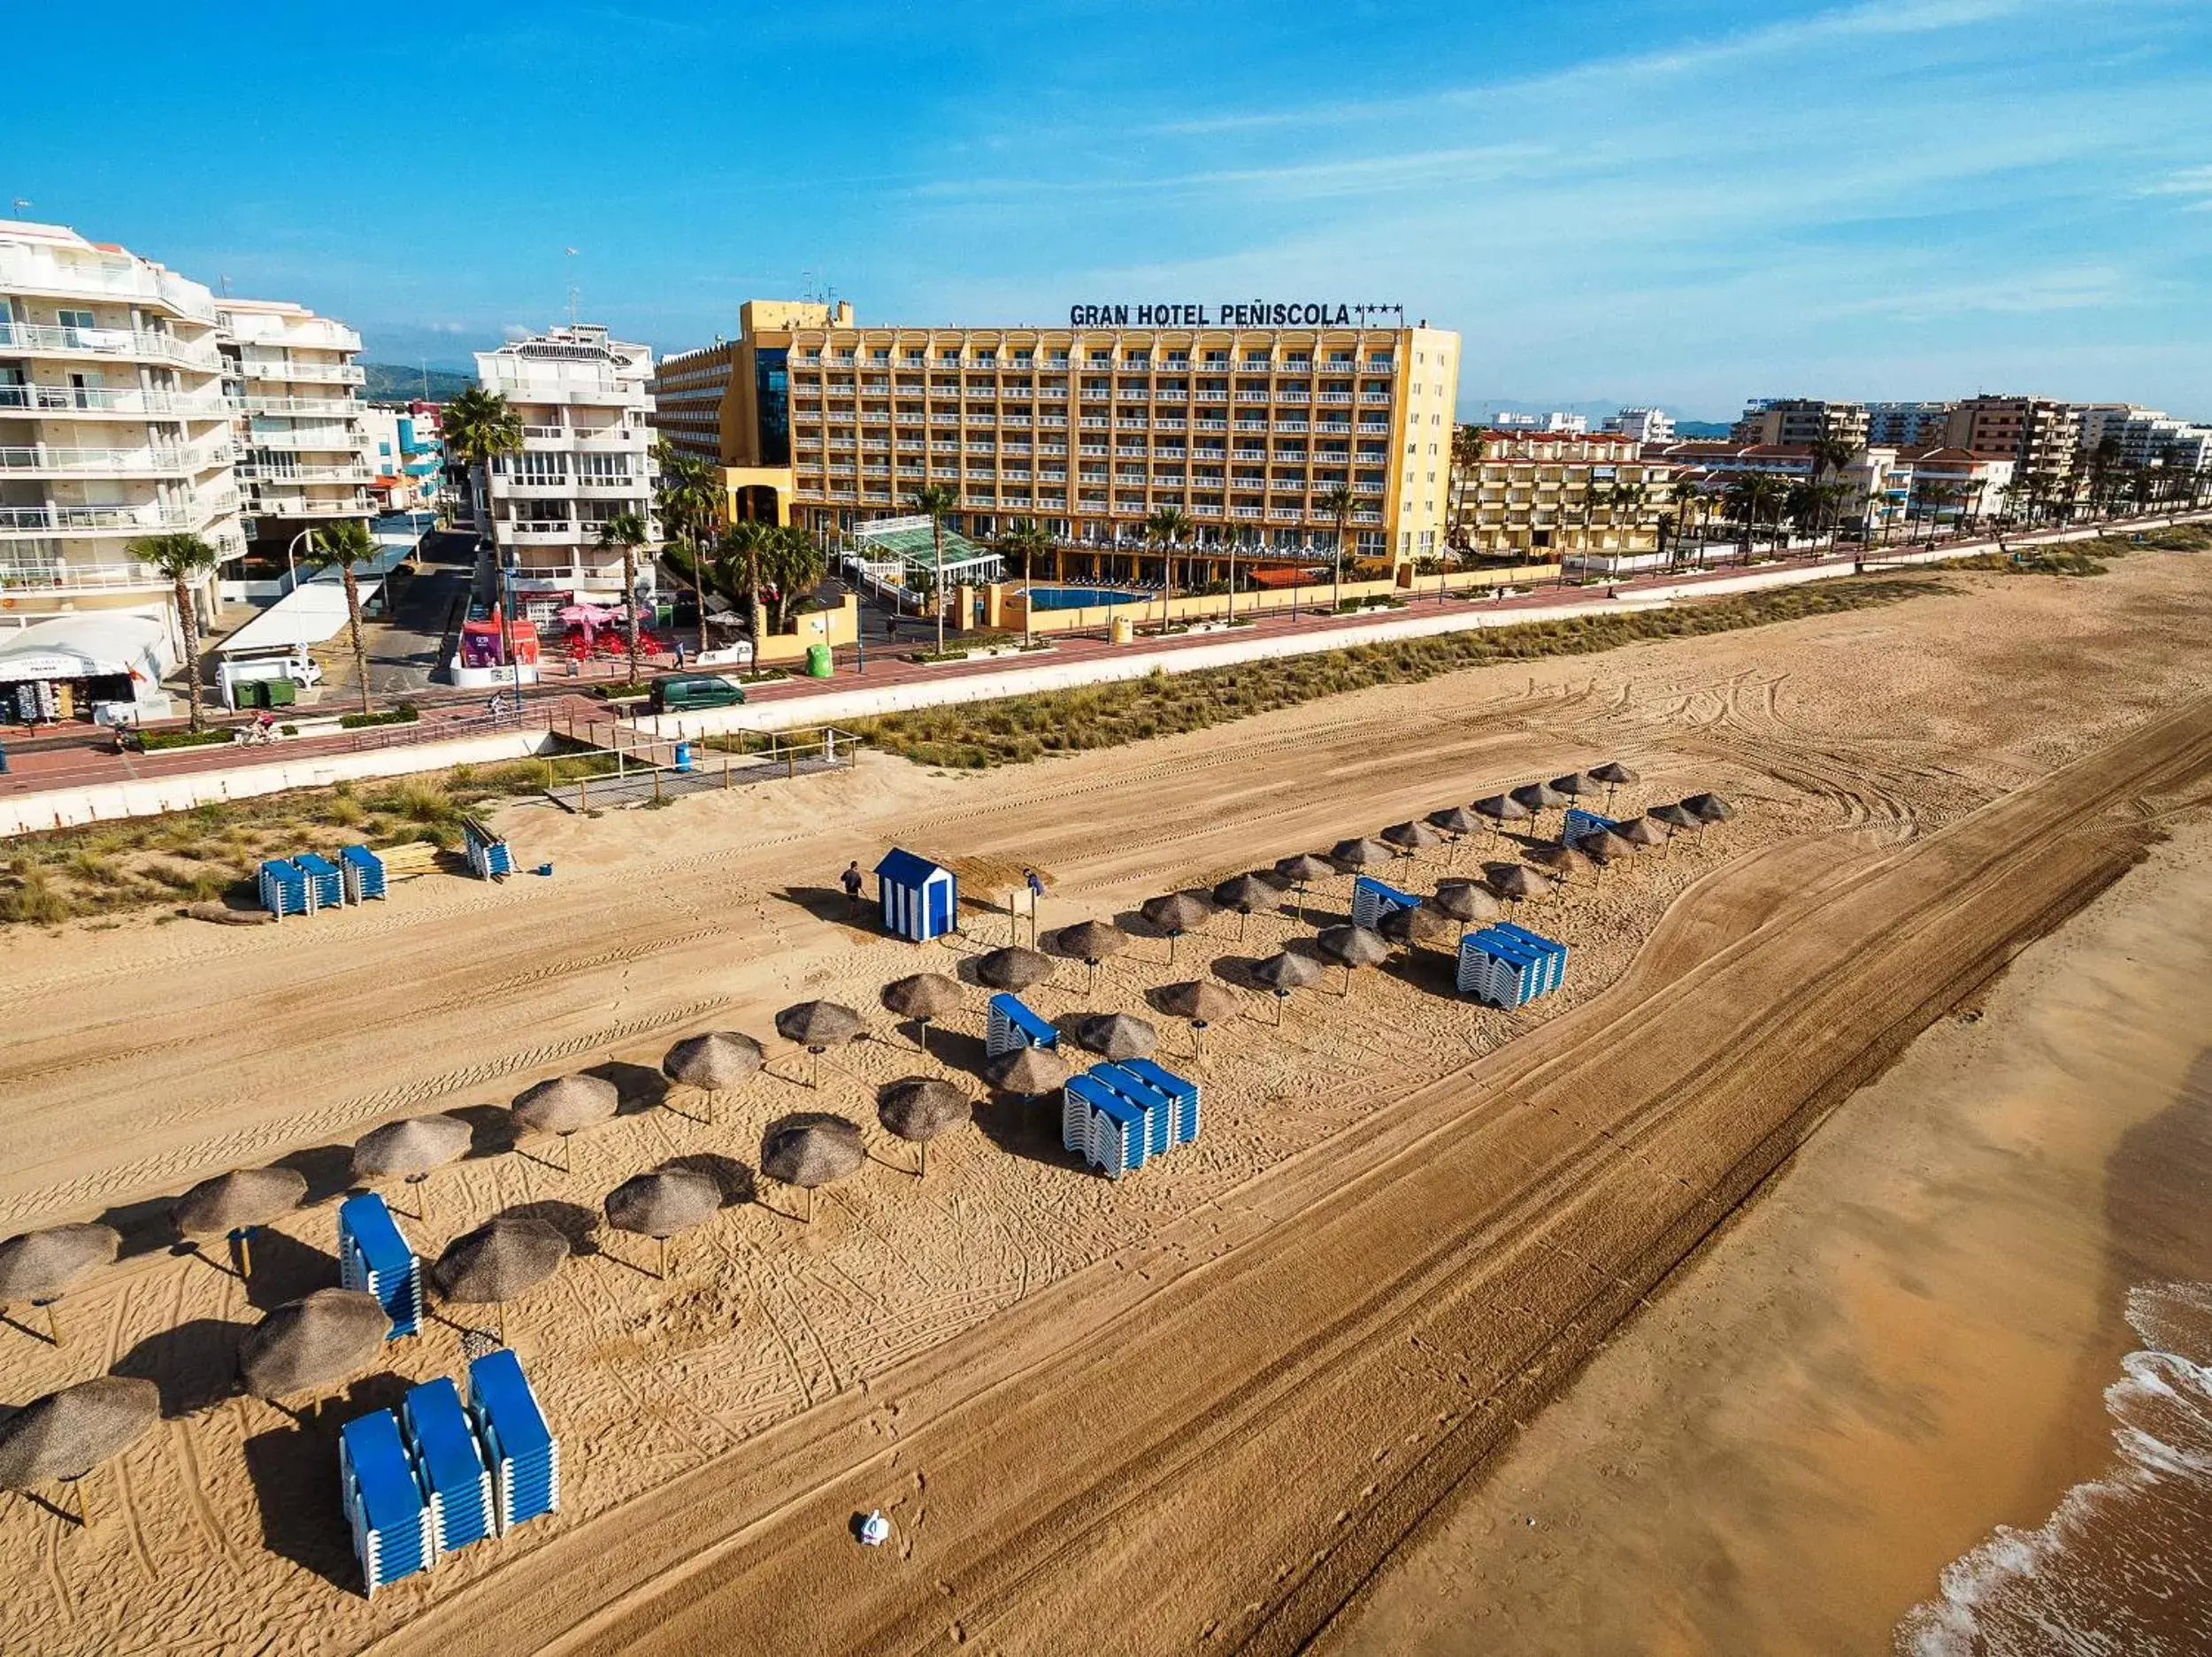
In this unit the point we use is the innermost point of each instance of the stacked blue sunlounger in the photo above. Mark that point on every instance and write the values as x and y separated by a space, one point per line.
364 872
1509 966
1013 1027
373 1255
1120 1115
1372 899
450 1464
524 1456
384 1503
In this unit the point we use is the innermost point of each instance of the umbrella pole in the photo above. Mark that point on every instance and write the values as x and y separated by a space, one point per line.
663 1273
809 1205
921 1158
245 1254
53 1324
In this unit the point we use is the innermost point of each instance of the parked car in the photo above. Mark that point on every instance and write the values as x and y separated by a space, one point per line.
683 692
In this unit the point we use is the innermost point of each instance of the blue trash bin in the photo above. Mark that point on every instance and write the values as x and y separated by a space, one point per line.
683 756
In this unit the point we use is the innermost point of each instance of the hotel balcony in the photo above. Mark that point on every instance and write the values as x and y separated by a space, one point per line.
311 506
302 373
25 578
24 270
145 518
299 406
313 442
251 473
43 460
67 401
113 344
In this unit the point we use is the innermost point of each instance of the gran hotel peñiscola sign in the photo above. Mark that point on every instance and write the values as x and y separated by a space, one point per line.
1247 313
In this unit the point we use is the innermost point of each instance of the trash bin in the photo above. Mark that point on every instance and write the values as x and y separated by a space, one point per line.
282 692
1121 630
818 661
683 756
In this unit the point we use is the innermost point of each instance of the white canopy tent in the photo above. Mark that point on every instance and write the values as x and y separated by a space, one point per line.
89 646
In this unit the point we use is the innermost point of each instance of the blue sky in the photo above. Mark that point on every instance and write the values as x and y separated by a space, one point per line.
1671 201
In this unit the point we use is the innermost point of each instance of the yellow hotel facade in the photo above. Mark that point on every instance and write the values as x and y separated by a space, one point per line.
1243 417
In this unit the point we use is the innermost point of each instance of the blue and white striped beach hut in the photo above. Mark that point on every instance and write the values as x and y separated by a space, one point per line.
384 1504
1509 966
524 1455
921 899
364 872
1013 1026
448 1464
1372 899
284 889
374 1256
326 887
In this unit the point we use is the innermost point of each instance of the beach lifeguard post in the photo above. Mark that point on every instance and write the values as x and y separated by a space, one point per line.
1372 899
384 1504
374 1257
1509 966
921 899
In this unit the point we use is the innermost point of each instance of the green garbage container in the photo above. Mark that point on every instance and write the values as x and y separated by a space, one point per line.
283 693
818 661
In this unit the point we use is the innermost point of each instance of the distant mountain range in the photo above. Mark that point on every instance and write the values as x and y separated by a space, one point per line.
388 382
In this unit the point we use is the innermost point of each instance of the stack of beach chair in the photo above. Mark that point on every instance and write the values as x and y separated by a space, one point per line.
385 1505
1013 1027
374 1257
524 1456
284 889
450 1464
1372 899
364 872
1119 1116
1509 966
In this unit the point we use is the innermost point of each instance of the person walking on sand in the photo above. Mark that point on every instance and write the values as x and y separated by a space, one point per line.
851 881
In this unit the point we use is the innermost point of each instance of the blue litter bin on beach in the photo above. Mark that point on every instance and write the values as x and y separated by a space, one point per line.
683 756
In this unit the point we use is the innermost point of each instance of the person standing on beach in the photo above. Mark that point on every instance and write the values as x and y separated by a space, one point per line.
851 880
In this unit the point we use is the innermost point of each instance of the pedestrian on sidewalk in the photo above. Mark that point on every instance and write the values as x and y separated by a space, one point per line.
851 879
3 759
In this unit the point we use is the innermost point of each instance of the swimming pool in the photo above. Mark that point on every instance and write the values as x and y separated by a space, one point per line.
1077 597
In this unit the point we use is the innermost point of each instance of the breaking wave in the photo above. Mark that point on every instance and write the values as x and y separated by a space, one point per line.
2122 1566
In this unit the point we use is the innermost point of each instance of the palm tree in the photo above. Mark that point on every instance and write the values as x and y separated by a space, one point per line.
1630 499
478 427
792 562
627 530
689 503
344 544
1753 493
1830 455
1686 496
1026 540
1166 528
182 557
1336 503
736 558
936 500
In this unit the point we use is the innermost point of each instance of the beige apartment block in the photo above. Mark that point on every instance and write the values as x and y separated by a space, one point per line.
2038 434
1801 420
1519 492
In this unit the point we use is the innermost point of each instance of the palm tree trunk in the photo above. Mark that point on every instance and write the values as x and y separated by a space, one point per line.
188 619
1232 582
353 622
699 588
937 575
629 593
752 574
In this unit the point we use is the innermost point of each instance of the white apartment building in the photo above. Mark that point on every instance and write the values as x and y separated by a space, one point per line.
587 455
1907 424
1645 426
1557 423
114 428
303 460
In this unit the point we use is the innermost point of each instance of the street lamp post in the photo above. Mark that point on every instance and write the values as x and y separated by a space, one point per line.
290 548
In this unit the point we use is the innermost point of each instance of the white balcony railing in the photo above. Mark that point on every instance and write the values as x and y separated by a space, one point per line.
23 270
64 575
279 475
147 518
313 442
321 406
303 373
45 339
265 505
65 461
62 401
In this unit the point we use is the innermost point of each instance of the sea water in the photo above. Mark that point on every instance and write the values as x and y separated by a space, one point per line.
2124 1565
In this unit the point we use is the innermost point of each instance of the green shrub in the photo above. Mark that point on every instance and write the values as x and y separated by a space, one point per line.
400 713
156 740
32 900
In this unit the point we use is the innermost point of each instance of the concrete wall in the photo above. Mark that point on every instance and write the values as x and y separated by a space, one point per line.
1005 603
834 627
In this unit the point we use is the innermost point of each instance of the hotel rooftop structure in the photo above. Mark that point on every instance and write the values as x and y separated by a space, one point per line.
1085 430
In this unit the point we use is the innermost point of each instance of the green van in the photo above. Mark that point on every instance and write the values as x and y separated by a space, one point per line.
682 692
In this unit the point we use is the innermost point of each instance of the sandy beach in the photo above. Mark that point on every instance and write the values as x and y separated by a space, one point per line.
1408 1220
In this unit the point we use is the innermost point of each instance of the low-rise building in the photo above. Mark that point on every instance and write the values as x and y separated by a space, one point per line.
405 455
1517 492
1557 420
587 455
1791 420
1645 426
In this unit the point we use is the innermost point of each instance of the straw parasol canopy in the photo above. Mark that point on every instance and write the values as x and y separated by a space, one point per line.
1564 861
1028 1071
1607 846
1519 883
410 1149
1174 912
1116 1036
816 1026
1614 774
1577 783
1350 945
1502 808
238 1201
1465 902
565 1105
924 996
65 1435
1411 837
1283 973
1456 820
1201 1000
661 1203
313 1342
500 1260
917 1108
1413 925
1013 968
811 1150
1708 807
714 1063
1538 797
1091 942
40 1265
1302 868
1641 832
1245 894
1359 854
1675 816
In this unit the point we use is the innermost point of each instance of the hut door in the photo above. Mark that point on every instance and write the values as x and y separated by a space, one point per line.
940 907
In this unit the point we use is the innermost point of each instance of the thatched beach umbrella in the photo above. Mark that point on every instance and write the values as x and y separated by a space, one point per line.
818 1026
500 1261
1116 1036
1202 1001
1027 1071
316 1341
917 1108
1465 902
1708 807
1413 925
1175 913
1351 947
1607 846
565 1105
1539 797
809 1150
1245 894
1614 775
39 1266
1641 832
1091 942
1411 837
661 1203
1354 854
410 1150
1301 869
237 1204
1013 968
65 1435
714 1063
1564 861
1458 822
924 996
1674 816
1282 972
1577 783
1502 809
1519 883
